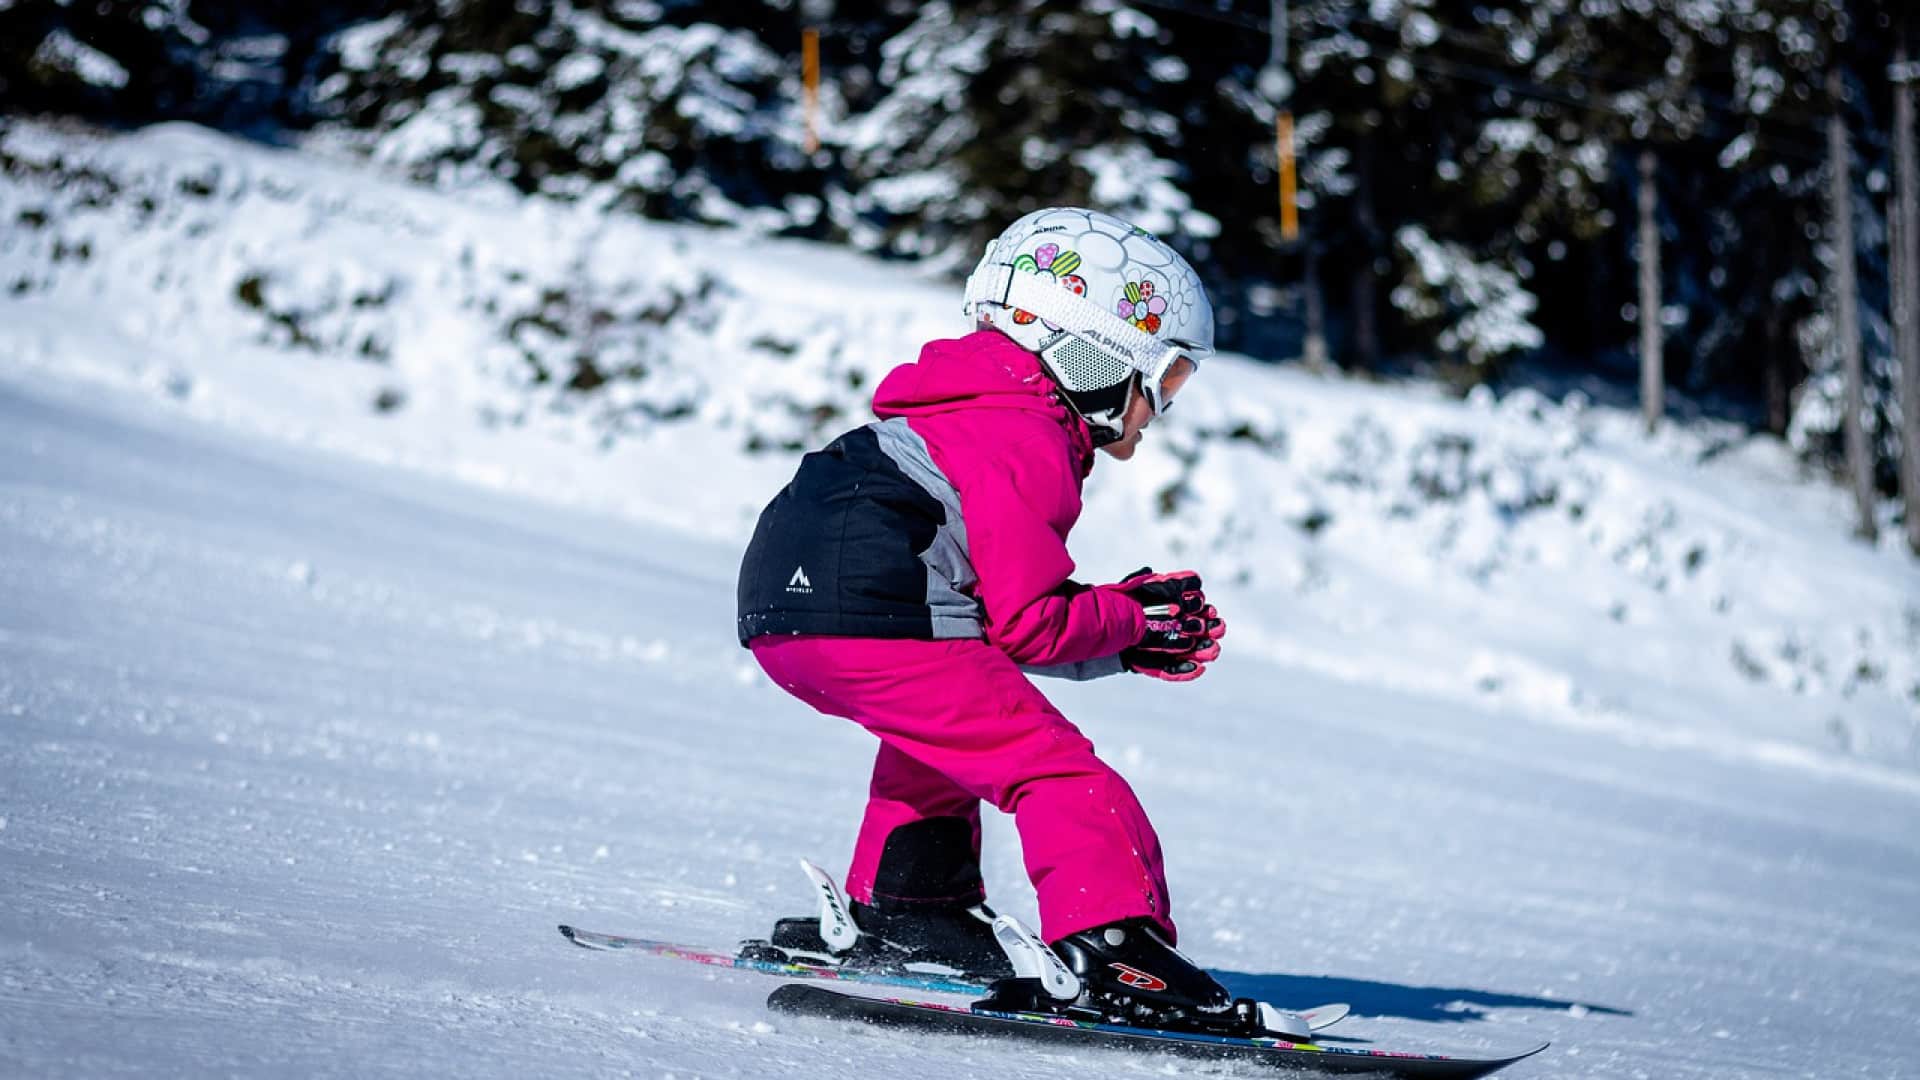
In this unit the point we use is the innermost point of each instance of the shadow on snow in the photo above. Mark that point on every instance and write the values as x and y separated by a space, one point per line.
1430 1003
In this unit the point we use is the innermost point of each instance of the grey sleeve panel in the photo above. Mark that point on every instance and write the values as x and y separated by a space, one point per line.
1082 671
950 576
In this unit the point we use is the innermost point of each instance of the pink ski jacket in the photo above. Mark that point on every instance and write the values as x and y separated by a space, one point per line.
946 518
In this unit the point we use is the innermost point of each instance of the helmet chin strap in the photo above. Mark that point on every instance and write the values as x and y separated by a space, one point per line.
1104 410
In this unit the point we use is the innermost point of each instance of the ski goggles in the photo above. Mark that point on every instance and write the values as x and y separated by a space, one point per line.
1161 391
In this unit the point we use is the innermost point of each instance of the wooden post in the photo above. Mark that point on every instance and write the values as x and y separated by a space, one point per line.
1906 298
1653 374
1289 204
1846 304
1277 85
1283 120
810 77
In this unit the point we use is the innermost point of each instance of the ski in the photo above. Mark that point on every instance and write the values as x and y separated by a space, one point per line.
801 999
793 969
1317 1017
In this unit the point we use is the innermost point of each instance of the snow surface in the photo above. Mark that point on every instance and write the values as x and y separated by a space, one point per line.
317 713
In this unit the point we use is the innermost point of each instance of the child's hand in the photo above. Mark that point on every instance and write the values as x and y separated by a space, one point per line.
1183 631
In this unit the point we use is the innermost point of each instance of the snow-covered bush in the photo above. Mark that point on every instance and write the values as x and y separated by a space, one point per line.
1481 310
602 329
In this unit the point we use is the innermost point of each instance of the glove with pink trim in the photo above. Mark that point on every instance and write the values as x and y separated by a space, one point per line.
1183 630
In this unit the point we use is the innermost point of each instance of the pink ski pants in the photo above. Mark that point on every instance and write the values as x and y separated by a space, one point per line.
959 722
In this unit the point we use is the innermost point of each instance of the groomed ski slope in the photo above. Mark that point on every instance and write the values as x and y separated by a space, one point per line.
303 758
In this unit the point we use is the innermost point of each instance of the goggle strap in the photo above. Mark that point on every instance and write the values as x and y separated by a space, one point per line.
1043 297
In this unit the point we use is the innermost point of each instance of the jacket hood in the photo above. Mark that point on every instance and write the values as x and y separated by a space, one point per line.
984 370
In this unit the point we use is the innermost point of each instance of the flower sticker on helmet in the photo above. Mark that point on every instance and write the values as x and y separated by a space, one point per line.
1141 307
1056 262
1049 259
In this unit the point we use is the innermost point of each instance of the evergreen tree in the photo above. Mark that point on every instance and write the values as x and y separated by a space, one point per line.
233 65
114 60
689 120
996 108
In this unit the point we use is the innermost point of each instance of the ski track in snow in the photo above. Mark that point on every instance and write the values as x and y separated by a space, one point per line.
304 759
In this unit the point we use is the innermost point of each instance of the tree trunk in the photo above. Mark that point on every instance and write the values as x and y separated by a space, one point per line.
1779 392
1316 305
1846 312
1366 334
1653 376
1906 292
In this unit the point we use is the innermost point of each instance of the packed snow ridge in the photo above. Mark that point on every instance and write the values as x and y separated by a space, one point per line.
1529 556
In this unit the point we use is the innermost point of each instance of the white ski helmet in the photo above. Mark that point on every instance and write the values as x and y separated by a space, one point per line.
1098 300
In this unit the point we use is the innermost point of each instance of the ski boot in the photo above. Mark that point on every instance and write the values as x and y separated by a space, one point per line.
893 936
1128 974
1128 969
933 940
955 940
958 938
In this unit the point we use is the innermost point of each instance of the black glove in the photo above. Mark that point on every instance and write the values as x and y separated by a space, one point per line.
1183 631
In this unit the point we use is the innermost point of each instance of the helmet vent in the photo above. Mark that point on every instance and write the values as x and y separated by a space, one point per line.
1083 367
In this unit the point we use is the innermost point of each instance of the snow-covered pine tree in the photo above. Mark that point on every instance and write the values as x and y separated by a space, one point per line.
1417 160
113 60
1853 43
1906 276
225 63
617 103
991 108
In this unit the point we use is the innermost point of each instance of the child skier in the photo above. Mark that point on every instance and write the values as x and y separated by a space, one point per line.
915 571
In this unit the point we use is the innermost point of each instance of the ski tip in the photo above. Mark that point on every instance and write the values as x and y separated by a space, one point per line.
1504 1060
1325 1016
1523 1055
791 997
